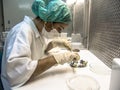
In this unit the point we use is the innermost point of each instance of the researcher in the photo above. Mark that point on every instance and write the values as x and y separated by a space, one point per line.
24 50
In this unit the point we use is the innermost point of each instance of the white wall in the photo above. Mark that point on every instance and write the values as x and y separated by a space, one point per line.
15 10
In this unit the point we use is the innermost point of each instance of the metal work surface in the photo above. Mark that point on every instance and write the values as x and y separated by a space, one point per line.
105 30
57 76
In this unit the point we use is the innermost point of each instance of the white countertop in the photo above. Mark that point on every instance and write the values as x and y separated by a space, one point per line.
55 78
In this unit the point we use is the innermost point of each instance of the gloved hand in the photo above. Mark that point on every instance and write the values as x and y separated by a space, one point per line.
62 43
66 57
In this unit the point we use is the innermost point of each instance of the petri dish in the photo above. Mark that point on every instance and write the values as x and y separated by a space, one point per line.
83 82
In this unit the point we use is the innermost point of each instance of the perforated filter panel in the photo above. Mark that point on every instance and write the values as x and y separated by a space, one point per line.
104 40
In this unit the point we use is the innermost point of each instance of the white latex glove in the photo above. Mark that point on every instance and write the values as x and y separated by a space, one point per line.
62 43
66 56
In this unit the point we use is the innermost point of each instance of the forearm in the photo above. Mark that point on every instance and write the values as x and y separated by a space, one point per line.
43 65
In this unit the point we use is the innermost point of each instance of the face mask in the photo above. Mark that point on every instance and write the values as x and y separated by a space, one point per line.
44 32
52 34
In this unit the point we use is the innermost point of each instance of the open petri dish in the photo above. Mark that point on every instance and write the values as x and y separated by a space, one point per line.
83 82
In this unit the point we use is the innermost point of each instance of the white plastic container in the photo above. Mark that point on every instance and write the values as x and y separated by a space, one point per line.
63 35
115 75
76 45
76 37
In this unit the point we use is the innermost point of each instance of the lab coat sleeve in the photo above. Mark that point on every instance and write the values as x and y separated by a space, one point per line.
20 66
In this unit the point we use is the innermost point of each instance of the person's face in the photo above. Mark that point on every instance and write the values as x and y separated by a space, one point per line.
58 26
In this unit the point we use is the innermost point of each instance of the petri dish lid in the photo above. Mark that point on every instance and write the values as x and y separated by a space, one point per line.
100 69
83 82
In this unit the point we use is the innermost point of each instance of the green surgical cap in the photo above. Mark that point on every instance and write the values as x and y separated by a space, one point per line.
52 11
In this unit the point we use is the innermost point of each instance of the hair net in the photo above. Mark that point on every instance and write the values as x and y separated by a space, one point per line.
52 11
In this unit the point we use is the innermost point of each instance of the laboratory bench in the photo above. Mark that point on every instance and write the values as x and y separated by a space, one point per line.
57 76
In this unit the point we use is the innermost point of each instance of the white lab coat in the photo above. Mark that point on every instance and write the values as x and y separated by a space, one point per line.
23 47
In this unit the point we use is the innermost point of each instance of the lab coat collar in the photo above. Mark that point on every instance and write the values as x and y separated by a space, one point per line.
29 21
